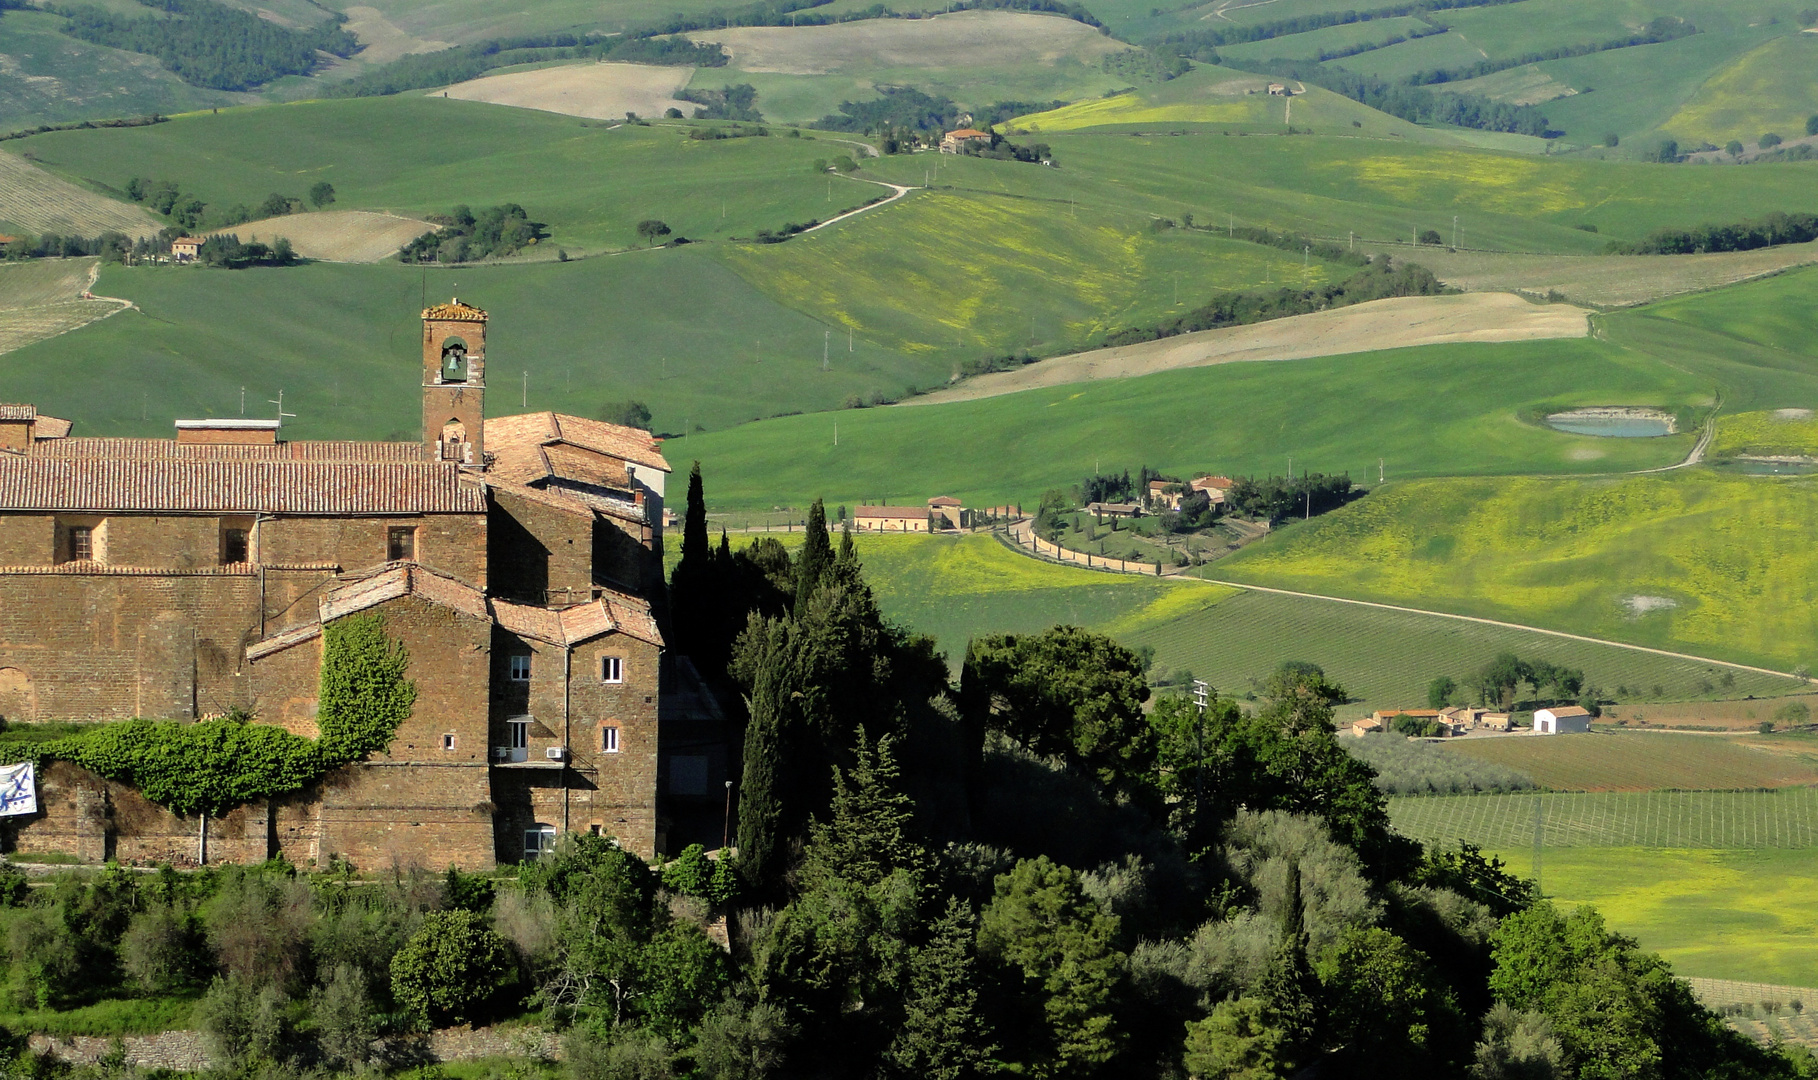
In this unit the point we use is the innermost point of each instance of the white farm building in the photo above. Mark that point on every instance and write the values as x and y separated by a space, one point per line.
1564 720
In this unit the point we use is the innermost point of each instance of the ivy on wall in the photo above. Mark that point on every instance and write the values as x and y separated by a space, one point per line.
212 766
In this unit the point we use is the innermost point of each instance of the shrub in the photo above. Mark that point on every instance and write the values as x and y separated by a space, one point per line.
162 949
650 230
1769 141
1793 714
321 194
743 1042
694 874
48 955
344 1016
632 1055
241 1024
627 413
451 969
1735 148
257 927
1431 236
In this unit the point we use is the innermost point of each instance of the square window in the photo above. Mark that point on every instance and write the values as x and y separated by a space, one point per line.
539 840
234 548
448 742
81 543
519 670
401 544
609 740
612 669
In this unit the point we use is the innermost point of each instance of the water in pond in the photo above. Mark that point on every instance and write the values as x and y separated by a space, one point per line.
1612 425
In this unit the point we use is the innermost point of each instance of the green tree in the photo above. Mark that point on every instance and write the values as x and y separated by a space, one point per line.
1056 945
1735 148
1769 141
650 230
1237 1041
451 969
1069 693
321 194
867 835
1501 677
1386 1011
816 557
346 1019
1811 125
741 1041
1289 989
944 1035
1518 1046
630 413
761 851
1441 691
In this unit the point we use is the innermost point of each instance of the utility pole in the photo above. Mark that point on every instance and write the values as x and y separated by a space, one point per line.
849 339
1201 692
280 404
1379 472
826 339
243 401
1454 230
836 433
524 398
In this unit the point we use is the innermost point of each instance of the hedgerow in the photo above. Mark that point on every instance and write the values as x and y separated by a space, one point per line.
212 766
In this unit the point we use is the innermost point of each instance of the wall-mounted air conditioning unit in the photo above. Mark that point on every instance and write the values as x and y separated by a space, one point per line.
556 753
501 753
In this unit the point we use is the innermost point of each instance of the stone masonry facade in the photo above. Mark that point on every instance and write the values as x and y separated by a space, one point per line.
515 558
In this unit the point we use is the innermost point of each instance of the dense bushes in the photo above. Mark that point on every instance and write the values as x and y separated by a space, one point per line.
1377 281
1275 497
727 103
493 233
210 44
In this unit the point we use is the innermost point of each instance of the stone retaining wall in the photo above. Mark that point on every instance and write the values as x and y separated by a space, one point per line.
187 1051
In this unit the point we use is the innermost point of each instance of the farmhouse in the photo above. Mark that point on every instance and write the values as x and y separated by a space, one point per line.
1562 720
511 557
956 142
1115 509
1215 487
902 519
185 249
1278 90
949 513
1160 498
1366 727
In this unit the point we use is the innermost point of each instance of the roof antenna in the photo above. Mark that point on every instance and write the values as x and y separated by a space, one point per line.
280 404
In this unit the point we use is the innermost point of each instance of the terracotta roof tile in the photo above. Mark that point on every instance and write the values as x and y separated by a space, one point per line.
455 311
18 412
891 512
345 450
50 427
506 434
236 486
613 612
357 594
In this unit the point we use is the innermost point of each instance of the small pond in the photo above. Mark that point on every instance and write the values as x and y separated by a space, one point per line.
1613 422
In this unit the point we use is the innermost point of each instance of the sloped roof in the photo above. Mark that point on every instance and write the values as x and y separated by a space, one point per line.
16 413
215 486
968 133
51 427
890 512
517 434
342 450
613 611
352 595
944 500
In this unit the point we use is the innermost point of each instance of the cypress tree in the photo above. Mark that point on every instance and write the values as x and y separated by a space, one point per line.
760 801
816 557
1288 987
694 526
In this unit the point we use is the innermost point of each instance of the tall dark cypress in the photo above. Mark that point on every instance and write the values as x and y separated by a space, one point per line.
816 557
691 591
694 526
760 860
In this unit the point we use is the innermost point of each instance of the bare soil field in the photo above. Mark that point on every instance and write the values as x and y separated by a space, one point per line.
1609 280
41 298
35 200
1641 762
352 236
1380 324
383 39
597 91
1745 715
979 39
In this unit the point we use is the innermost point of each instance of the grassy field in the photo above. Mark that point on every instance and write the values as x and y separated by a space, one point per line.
1712 564
1773 87
1713 914
1786 819
1310 45
1787 432
51 78
1236 418
418 155
1608 280
1777 314
974 57
674 329
1641 762
1385 659
33 200
38 301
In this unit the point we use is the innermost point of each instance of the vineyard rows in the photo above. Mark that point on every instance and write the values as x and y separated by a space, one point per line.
1646 761
33 199
1663 819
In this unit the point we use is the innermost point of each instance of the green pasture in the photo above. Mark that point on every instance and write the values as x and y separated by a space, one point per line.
950 270
1450 50
1385 659
1438 410
1310 45
1773 87
463 21
1792 433
674 329
416 155
1713 564
803 99
1633 92
1776 313
1712 914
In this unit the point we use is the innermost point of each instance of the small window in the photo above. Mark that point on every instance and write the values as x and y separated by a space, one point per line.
520 733
401 544
81 543
233 546
539 840
612 669
519 670
609 740
448 742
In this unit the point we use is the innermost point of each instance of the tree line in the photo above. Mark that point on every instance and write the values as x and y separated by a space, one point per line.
209 44
167 198
1498 682
1298 243
911 111
1238 34
1774 229
1274 498
1379 280
1662 29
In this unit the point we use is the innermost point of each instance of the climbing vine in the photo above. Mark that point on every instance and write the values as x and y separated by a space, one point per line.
212 766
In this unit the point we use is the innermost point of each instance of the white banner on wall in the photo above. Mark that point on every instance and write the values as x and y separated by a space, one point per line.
18 789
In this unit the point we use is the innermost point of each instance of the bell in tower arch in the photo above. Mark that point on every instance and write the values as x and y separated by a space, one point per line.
454 361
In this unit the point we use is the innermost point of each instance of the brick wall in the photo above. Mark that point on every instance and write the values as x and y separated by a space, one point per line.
538 549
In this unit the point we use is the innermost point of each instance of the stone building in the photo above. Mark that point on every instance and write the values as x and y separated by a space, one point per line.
514 557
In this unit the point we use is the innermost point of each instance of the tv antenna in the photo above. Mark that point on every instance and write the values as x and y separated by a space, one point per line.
280 404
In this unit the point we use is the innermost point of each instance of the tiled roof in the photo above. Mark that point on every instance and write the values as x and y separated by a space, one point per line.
508 434
968 133
455 311
614 611
50 427
944 500
344 450
216 486
891 512
259 650
17 413
400 579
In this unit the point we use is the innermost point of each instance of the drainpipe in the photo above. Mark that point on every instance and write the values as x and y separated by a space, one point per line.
202 840
567 742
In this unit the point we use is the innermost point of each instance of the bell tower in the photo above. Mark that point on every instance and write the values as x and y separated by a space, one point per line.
454 383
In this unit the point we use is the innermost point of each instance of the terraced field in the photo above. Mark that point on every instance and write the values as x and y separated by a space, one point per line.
1731 821
34 200
1641 761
